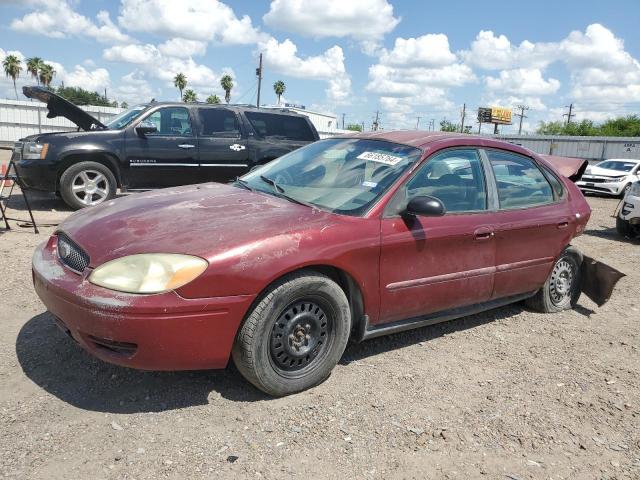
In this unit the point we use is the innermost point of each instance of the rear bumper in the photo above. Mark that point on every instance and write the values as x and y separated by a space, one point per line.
151 332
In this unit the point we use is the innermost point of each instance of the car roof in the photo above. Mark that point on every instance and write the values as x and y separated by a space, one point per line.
421 138
232 106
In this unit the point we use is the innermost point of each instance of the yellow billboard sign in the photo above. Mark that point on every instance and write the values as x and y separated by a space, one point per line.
501 115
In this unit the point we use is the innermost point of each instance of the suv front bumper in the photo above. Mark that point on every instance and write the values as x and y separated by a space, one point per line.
630 210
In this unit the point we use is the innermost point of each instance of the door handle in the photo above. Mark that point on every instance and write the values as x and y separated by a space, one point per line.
483 234
562 225
186 146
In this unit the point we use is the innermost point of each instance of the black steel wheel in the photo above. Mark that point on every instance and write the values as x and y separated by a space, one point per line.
295 334
562 289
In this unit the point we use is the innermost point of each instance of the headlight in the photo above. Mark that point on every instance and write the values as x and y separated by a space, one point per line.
148 272
34 150
619 179
635 189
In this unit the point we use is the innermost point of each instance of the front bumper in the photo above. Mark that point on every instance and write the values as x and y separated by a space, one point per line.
36 174
630 210
150 332
610 188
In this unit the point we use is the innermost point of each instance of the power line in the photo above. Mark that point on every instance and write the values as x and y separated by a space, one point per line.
522 109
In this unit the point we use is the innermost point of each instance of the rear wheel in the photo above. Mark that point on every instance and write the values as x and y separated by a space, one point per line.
295 335
86 184
561 289
623 227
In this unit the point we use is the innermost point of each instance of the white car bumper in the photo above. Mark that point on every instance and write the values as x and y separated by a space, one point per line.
597 185
630 210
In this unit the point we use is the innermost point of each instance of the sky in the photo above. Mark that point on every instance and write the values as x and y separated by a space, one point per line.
402 58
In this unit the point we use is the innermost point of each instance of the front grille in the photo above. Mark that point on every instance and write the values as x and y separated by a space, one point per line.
593 180
71 254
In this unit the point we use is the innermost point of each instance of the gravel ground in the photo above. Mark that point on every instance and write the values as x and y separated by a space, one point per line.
507 394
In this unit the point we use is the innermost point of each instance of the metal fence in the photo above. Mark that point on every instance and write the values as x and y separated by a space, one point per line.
19 119
589 148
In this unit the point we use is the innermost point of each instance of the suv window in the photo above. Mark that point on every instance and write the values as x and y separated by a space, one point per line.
455 177
520 182
277 125
171 121
218 122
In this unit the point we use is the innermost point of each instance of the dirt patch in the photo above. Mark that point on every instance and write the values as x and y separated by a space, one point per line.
504 394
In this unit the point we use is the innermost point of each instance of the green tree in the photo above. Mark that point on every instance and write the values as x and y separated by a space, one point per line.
279 87
189 96
180 82
226 82
80 96
628 126
46 74
124 105
33 67
214 99
447 126
354 127
12 68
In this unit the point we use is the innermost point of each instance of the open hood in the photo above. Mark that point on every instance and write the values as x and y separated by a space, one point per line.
570 167
59 107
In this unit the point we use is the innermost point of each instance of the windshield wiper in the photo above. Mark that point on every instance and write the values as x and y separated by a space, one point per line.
279 191
243 183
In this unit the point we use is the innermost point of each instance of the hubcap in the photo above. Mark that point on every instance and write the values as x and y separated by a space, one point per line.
300 335
90 187
561 282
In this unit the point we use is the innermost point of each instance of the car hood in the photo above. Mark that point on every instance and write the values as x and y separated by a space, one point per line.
209 220
606 172
60 107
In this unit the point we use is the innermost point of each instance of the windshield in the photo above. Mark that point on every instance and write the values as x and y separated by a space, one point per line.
126 117
617 165
342 175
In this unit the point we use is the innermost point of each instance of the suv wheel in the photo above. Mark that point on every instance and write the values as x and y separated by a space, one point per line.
561 289
623 227
86 184
295 335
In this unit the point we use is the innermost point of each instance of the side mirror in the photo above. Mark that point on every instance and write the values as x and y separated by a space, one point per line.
145 128
425 206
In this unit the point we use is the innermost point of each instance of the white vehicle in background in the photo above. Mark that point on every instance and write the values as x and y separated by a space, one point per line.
628 219
611 177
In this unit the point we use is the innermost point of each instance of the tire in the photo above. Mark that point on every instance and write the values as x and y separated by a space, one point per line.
623 227
86 184
561 290
303 308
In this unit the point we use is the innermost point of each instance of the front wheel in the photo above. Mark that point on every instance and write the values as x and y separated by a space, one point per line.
295 335
623 227
561 290
86 184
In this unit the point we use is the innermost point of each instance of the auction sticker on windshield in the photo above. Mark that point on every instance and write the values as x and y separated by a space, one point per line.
380 158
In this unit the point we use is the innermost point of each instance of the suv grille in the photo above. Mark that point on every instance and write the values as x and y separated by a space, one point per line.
71 254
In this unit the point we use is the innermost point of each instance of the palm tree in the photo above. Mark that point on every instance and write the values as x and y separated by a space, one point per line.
33 67
189 96
46 74
12 68
180 82
279 87
213 99
226 82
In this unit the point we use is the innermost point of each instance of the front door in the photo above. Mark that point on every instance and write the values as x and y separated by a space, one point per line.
535 223
165 158
432 264
222 148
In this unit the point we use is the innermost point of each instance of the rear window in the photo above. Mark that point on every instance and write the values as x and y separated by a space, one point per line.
284 126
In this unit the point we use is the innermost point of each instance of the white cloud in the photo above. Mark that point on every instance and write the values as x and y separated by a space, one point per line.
57 19
93 80
283 58
365 20
431 50
522 81
134 88
192 19
493 52
183 48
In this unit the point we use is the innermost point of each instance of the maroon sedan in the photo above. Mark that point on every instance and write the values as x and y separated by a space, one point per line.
346 238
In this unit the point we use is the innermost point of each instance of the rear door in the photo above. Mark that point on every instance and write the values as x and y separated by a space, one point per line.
221 144
167 157
533 225
433 264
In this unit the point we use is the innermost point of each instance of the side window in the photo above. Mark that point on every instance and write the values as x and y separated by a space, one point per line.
171 121
556 185
455 177
520 182
278 125
218 122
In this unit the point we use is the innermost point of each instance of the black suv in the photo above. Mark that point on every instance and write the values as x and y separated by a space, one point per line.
153 145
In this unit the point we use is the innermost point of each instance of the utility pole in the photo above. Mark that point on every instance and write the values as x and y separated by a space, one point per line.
259 75
343 121
522 109
570 114
464 114
376 122
362 127
433 124
418 123
479 126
